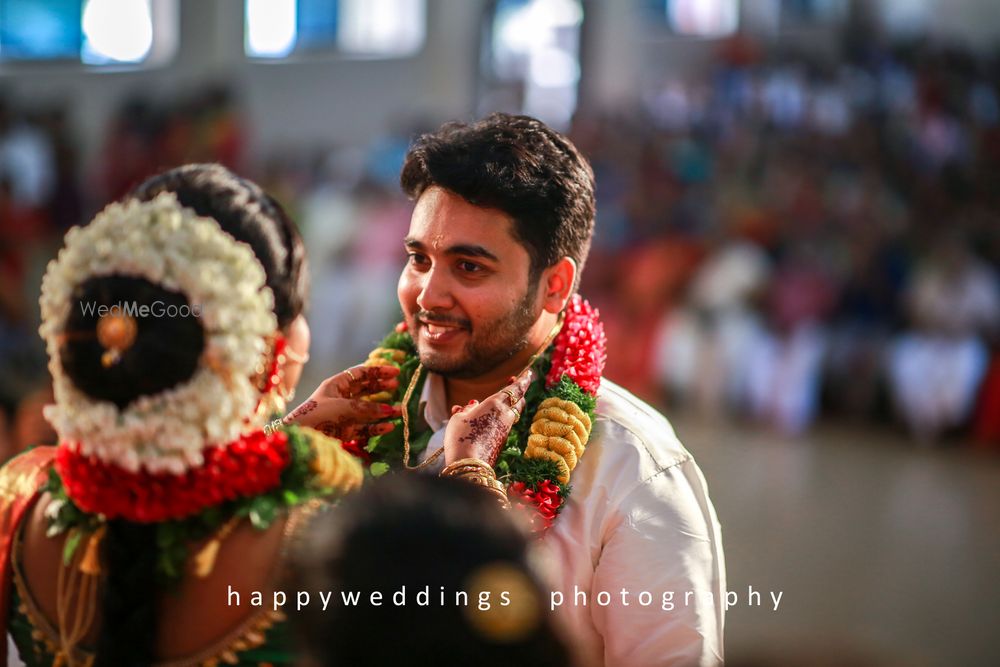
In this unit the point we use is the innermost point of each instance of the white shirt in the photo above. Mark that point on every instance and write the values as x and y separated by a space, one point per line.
639 518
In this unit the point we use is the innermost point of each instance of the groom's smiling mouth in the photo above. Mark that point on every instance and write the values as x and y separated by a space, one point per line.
438 331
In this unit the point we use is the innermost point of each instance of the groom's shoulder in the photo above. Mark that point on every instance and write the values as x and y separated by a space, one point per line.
623 420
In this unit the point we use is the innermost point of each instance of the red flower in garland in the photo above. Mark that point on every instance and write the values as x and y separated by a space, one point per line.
543 502
357 448
245 467
580 348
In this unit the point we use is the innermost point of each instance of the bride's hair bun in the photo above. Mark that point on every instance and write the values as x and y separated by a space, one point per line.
168 342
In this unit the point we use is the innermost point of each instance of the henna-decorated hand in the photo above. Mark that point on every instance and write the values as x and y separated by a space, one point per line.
336 409
480 430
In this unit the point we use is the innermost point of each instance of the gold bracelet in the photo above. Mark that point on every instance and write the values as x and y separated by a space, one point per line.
464 465
492 485
475 471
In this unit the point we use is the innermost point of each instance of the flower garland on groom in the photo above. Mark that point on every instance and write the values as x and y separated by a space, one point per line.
540 453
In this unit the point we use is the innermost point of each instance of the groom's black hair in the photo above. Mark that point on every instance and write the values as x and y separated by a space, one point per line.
518 165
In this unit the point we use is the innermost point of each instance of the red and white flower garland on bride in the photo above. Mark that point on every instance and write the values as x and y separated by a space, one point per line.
246 467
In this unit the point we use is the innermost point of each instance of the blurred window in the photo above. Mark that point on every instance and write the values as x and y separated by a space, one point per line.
363 28
812 11
531 60
696 18
94 32
31 30
906 17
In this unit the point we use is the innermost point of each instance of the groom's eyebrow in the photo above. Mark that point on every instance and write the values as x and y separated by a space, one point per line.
464 250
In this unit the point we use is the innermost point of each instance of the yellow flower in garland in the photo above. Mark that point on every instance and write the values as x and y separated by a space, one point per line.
559 432
333 466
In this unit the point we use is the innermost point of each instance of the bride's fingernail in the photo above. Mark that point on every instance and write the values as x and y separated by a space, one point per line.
386 409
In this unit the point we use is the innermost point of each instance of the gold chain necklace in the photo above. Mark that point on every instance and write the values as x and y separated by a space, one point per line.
406 425
413 384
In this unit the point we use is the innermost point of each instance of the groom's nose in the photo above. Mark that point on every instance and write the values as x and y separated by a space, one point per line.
435 291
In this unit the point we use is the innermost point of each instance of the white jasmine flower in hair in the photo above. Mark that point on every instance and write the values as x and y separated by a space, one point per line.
173 247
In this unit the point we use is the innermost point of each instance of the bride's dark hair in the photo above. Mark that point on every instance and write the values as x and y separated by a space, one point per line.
248 214
165 354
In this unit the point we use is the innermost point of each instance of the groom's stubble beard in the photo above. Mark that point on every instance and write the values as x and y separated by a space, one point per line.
491 343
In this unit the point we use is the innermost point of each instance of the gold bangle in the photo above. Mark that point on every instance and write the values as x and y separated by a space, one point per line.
478 473
463 465
501 495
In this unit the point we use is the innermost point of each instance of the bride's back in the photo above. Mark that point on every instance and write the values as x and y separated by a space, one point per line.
196 617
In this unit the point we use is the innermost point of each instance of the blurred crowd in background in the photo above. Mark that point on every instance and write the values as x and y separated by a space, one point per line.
781 239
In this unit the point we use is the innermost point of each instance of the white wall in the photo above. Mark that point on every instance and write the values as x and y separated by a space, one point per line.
338 100
975 23
323 98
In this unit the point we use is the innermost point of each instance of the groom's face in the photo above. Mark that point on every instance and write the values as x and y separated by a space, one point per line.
465 289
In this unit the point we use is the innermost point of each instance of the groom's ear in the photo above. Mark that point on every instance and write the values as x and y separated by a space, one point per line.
558 280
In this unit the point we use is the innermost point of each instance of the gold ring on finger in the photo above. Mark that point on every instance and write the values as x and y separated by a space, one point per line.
351 375
513 399
517 415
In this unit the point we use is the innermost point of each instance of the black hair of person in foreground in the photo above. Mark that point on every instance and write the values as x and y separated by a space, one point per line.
422 539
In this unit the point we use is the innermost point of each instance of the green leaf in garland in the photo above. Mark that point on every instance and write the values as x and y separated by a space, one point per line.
399 340
534 471
388 441
54 484
212 517
72 542
378 468
568 390
262 511
166 566
167 533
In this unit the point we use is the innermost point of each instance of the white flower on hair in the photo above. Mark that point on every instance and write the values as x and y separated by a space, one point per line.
171 246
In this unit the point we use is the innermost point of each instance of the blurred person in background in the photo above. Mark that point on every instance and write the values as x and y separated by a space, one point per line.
705 346
417 535
783 378
27 161
937 365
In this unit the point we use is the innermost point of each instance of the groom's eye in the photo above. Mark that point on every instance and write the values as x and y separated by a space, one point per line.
469 267
417 259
